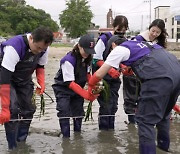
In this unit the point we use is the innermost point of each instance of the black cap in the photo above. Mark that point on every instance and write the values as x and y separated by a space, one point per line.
117 39
87 43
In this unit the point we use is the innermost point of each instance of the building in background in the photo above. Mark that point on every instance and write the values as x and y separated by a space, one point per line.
95 31
171 16
109 19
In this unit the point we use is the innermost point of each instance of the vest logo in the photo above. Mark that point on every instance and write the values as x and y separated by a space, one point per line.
30 59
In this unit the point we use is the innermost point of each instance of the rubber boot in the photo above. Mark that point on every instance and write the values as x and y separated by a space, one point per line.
111 122
11 134
131 119
103 123
147 148
65 127
163 141
23 130
77 124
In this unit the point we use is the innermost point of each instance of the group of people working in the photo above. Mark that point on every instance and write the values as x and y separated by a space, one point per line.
151 81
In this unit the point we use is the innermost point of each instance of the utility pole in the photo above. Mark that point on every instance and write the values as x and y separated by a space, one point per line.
149 1
149 12
141 23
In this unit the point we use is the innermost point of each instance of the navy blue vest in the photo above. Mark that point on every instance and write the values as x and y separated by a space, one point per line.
80 77
28 61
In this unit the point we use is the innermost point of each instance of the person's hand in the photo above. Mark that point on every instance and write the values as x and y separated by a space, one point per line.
114 73
126 70
92 83
82 92
40 74
89 96
5 103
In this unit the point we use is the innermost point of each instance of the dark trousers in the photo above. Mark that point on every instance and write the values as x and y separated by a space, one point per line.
131 87
69 106
108 107
21 107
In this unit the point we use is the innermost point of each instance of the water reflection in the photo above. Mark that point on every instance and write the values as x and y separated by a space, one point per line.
75 145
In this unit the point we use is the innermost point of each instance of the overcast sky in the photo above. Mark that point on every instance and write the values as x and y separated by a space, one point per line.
137 11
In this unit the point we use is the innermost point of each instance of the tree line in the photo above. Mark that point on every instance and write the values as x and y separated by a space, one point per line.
17 18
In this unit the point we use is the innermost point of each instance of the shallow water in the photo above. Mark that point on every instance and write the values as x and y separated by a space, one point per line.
45 137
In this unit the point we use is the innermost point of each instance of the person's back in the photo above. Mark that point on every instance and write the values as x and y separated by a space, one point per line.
159 74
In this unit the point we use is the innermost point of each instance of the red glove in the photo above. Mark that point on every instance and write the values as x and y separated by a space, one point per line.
114 73
126 70
82 92
99 63
92 82
5 103
40 75
176 108
88 77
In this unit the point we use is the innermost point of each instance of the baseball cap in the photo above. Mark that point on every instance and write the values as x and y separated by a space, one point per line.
117 39
87 43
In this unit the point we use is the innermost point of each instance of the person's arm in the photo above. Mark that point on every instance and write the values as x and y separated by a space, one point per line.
10 59
69 80
40 72
82 92
117 55
40 75
5 95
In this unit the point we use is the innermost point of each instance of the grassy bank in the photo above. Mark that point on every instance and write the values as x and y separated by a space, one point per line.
57 45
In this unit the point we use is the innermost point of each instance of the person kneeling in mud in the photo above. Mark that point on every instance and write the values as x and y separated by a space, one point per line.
69 83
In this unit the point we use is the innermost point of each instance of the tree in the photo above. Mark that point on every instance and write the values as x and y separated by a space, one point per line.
76 18
16 18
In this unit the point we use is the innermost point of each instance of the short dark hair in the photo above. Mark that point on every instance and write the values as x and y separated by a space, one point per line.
117 39
120 21
162 37
42 33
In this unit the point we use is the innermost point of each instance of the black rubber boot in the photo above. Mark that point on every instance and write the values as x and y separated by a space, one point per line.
23 130
163 141
131 119
77 124
147 148
65 127
11 134
103 123
111 122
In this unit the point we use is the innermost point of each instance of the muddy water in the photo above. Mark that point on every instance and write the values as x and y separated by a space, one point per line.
45 136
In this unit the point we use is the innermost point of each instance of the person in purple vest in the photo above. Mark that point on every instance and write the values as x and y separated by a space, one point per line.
69 83
159 74
107 110
19 57
131 86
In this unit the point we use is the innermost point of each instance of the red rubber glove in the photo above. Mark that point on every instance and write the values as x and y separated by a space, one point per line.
40 75
176 108
5 103
92 83
99 63
88 77
114 73
126 70
82 92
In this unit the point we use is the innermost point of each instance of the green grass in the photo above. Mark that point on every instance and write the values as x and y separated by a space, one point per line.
56 45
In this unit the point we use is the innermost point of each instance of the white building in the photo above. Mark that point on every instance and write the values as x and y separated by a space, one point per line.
171 16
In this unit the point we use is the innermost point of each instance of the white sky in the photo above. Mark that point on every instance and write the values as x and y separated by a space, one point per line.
137 11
